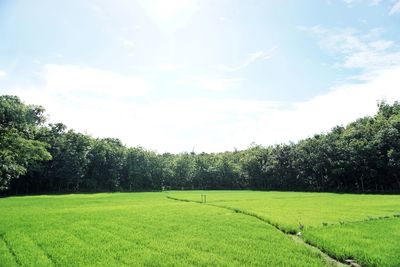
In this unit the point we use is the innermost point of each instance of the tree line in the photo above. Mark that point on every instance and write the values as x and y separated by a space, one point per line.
36 157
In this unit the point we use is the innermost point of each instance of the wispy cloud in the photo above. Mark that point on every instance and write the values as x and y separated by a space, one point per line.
354 50
251 58
351 3
395 8
375 2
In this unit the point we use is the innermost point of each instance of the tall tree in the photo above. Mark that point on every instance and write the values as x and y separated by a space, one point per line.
19 125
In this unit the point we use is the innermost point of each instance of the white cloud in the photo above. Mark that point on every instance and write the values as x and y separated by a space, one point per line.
204 124
3 74
85 80
126 42
381 45
87 99
220 84
218 125
224 19
340 106
395 8
251 58
58 55
97 10
169 66
350 3
353 49
372 60
375 2
212 84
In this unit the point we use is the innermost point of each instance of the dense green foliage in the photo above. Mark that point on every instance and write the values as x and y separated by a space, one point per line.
19 125
361 157
140 229
361 227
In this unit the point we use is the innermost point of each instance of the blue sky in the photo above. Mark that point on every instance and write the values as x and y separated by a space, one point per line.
203 75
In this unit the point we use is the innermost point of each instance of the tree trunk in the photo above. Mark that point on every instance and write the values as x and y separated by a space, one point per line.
362 183
398 181
77 184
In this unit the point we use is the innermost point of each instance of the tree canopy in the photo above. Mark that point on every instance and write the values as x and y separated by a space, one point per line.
19 148
364 156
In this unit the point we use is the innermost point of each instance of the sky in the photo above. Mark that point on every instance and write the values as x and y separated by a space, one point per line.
201 75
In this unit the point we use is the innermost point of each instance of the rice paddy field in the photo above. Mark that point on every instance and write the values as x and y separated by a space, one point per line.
233 228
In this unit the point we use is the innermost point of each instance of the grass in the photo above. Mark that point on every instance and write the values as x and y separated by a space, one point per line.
289 210
234 228
346 226
139 229
371 243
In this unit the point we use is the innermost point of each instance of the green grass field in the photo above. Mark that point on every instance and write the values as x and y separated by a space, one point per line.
347 226
289 210
152 230
374 242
